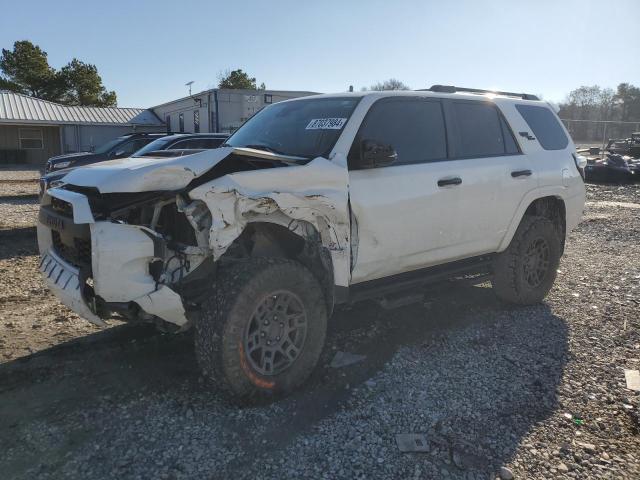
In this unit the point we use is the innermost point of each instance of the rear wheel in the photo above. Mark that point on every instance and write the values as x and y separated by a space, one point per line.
525 272
262 330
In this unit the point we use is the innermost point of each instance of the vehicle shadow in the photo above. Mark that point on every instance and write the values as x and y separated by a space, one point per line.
115 384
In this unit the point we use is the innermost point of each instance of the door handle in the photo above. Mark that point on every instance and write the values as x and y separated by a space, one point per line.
449 181
521 173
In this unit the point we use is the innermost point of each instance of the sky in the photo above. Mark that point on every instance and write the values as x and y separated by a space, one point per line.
147 50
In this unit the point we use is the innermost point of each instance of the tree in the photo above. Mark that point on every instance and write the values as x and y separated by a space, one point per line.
391 84
26 70
84 86
627 97
236 79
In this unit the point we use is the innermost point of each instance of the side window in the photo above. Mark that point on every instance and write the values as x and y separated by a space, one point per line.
414 127
130 147
181 145
510 145
479 131
545 126
211 142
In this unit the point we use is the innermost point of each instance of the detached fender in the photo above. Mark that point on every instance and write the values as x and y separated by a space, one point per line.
573 199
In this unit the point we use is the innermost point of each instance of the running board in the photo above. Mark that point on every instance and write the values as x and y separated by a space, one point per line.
472 270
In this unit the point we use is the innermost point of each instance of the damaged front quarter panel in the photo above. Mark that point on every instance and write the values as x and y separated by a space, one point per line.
315 193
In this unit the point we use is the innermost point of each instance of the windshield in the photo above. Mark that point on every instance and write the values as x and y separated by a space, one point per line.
107 147
158 144
302 128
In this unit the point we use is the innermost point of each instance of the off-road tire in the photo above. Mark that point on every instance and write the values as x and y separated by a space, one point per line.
510 267
220 331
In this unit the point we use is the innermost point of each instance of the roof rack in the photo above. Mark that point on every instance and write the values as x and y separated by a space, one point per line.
452 89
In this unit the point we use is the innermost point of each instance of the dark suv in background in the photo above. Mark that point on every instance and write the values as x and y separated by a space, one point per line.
120 147
183 141
154 144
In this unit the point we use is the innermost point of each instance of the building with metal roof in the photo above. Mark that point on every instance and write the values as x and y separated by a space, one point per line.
33 130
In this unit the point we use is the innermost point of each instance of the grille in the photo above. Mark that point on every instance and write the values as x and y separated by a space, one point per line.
78 255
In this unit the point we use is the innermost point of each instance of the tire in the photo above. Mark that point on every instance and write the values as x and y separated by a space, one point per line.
524 273
240 317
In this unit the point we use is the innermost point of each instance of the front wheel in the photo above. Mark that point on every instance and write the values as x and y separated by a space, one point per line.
263 328
524 273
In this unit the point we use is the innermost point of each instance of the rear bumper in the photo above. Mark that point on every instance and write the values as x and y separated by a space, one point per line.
574 207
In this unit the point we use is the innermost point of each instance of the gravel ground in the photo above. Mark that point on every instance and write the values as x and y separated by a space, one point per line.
19 172
539 391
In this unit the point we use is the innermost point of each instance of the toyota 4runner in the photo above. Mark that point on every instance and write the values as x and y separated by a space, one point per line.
315 202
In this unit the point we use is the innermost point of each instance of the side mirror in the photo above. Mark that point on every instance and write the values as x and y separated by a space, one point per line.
119 153
374 154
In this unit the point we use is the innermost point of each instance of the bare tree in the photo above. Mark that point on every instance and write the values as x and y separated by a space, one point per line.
391 84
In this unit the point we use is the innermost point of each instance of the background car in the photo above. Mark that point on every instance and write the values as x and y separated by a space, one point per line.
119 147
183 141
163 146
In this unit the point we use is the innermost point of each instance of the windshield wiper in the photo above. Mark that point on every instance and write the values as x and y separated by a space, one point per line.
266 148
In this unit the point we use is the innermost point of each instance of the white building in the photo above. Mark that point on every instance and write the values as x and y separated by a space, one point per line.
218 110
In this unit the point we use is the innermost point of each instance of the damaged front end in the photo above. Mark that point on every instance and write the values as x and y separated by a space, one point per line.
125 255
152 255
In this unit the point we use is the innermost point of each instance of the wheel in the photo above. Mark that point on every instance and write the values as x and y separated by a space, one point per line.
262 330
524 273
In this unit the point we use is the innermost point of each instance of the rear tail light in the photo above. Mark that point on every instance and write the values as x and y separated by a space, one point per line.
581 162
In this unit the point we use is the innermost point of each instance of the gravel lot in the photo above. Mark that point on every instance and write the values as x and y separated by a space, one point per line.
538 390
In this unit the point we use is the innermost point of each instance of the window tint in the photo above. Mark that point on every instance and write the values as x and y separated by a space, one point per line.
211 142
545 126
132 146
413 127
510 145
479 130
184 144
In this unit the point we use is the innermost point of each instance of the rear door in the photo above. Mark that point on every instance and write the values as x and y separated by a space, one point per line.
494 174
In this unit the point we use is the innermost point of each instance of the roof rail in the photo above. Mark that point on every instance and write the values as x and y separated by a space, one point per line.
452 89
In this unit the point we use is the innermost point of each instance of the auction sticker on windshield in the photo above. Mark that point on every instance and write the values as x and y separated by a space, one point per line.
326 124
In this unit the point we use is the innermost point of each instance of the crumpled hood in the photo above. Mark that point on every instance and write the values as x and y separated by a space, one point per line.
145 174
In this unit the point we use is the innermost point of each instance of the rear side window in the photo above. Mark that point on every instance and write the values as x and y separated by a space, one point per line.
479 130
545 126
413 127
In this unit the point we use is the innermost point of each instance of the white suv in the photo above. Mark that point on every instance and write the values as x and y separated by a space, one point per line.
315 202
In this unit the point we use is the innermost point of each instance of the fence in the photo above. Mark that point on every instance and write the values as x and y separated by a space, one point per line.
598 132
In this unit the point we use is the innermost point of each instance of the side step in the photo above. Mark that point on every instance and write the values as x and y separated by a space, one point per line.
401 289
392 302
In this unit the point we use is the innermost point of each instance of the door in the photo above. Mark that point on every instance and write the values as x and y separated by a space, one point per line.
495 177
399 212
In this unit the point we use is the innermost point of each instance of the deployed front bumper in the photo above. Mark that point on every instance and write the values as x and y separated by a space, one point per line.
64 281
118 269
